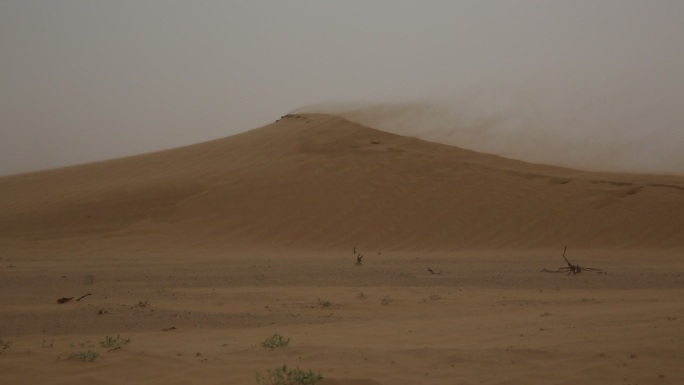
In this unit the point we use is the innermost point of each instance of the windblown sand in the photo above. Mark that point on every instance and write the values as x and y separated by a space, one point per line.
198 254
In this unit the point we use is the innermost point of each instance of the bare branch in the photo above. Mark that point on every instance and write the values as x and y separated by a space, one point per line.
571 268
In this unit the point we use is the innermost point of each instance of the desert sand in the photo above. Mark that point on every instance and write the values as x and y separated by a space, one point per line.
197 255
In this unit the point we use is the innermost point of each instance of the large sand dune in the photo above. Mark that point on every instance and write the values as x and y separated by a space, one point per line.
317 181
199 253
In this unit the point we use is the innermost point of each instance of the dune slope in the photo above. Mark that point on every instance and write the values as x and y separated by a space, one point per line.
321 182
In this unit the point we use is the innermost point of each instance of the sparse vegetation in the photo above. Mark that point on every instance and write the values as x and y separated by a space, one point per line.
361 295
114 342
89 279
4 344
435 297
386 300
85 356
82 344
283 375
275 341
324 303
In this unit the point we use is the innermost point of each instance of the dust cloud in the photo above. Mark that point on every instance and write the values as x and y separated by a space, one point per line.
634 127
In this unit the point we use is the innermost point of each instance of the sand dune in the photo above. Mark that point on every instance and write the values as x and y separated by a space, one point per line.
317 181
198 254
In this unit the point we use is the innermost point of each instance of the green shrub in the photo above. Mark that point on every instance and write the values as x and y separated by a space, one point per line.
324 303
114 342
283 375
86 356
4 344
275 341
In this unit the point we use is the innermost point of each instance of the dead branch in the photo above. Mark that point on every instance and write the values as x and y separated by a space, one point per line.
571 269
67 299
359 257
83 296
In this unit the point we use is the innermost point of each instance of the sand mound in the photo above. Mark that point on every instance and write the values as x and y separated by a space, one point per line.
321 182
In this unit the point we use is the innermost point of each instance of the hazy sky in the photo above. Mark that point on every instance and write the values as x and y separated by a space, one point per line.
88 80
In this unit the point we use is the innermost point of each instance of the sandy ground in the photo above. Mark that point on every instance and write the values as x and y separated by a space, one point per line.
197 255
490 319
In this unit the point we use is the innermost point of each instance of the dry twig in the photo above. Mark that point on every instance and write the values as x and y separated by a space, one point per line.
571 268
359 257
67 299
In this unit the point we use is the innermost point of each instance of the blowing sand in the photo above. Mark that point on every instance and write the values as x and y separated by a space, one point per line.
200 253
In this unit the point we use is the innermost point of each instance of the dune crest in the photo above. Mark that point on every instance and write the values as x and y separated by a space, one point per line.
315 181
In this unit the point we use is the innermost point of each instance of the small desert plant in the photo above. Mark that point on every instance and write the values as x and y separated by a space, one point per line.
89 279
283 375
275 341
142 304
114 342
385 300
324 303
85 356
361 296
435 297
4 344
82 344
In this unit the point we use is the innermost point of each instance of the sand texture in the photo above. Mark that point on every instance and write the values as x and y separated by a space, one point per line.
198 254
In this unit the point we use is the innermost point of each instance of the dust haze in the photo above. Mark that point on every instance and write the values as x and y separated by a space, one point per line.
583 84
633 126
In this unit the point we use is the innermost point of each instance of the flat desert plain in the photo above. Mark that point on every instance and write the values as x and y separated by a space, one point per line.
179 266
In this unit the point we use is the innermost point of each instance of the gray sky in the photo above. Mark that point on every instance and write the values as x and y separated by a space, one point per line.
89 80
